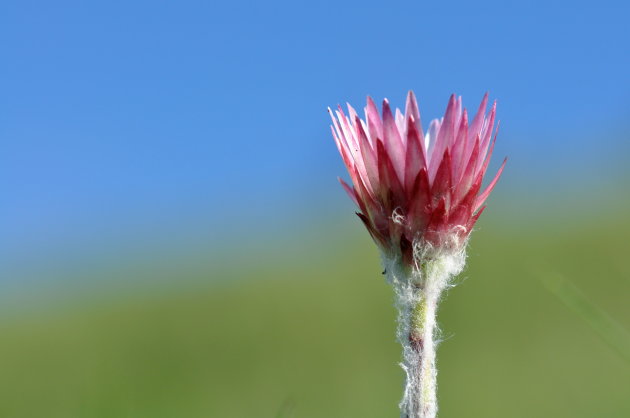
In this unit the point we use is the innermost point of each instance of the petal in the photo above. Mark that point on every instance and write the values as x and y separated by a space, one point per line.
486 132
391 190
469 176
475 126
347 130
464 208
393 142
460 216
356 150
343 150
368 158
352 115
437 223
414 158
367 202
430 138
457 117
411 109
441 187
444 137
338 134
400 125
419 201
459 145
438 215
375 126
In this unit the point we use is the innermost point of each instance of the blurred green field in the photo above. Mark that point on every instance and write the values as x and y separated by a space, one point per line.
309 332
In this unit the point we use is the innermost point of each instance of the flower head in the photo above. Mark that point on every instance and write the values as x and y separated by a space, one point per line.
417 191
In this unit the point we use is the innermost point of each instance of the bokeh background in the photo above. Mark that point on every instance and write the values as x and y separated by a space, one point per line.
174 243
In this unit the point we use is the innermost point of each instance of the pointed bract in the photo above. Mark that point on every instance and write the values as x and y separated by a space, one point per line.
414 155
393 142
411 109
442 183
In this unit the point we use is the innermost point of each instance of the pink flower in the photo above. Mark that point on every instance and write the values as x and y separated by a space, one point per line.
417 191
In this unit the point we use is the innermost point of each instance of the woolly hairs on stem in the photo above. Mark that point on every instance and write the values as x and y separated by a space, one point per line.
419 195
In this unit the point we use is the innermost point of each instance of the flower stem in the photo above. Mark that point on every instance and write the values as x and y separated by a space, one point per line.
418 293
422 338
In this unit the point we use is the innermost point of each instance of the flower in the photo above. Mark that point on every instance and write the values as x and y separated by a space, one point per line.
416 191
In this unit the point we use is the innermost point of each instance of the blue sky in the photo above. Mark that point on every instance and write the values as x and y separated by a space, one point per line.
120 119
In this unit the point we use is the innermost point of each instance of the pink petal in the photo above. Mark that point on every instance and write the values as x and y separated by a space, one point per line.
347 130
460 216
444 137
375 126
356 151
352 114
368 157
338 132
486 132
366 201
441 185
419 201
431 138
464 208
411 109
343 150
457 118
442 182
414 159
458 148
400 125
468 177
475 126
392 192
437 223
393 142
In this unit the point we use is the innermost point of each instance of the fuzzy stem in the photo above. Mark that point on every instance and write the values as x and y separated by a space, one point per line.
422 336
418 292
